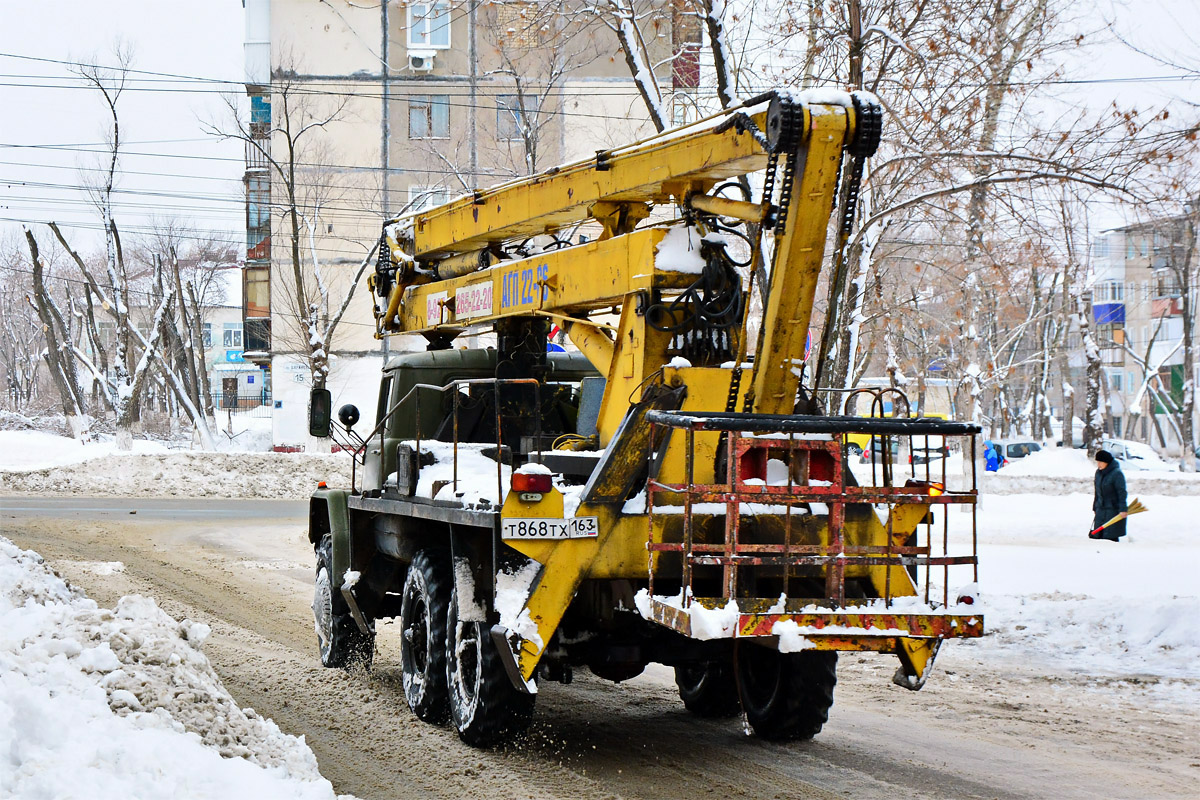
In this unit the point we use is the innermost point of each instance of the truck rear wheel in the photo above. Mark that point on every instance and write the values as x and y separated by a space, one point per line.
785 696
423 635
485 708
708 689
342 644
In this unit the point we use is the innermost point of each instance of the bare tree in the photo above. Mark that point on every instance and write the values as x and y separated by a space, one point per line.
149 346
21 338
58 353
538 48
302 189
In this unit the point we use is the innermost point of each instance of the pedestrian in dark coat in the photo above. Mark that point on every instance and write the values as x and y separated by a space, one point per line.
1110 497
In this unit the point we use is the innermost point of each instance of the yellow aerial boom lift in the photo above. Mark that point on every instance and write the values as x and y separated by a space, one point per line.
656 496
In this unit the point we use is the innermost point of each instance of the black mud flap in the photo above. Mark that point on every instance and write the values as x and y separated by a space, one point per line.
500 638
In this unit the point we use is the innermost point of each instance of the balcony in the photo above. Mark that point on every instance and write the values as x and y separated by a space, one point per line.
257 340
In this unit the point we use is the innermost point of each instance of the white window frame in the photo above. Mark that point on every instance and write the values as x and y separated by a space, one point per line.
231 336
429 101
433 196
419 16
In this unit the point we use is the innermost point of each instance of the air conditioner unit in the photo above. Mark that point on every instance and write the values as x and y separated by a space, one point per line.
421 60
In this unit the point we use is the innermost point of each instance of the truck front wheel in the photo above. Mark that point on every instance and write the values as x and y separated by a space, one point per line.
423 635
485 707
341 643
785 696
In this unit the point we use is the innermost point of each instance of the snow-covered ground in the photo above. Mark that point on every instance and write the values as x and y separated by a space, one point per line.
28 450
1055 598
32 450
36 462
100 704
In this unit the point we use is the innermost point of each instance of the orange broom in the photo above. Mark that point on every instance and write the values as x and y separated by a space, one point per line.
1135 507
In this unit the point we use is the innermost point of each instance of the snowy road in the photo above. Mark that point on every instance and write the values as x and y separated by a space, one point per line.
976 731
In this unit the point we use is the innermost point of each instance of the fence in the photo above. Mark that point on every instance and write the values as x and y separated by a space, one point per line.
250 404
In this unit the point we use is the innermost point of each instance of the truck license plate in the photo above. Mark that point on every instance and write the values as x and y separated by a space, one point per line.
543 528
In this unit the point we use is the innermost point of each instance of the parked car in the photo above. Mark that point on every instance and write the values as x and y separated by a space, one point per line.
1136 456
918 455
1011 451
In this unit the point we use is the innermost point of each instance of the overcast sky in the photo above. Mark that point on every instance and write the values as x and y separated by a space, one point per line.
171 168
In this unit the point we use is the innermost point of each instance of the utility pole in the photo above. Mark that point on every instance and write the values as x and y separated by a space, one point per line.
473 58
385 125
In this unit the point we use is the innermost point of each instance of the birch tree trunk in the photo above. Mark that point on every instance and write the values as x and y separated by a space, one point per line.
58 355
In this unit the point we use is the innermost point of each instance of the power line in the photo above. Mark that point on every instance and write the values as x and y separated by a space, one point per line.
157 296
302 82
195 234
242 162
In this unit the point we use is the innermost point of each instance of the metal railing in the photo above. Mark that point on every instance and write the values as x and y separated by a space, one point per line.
357 446
256 404
815 453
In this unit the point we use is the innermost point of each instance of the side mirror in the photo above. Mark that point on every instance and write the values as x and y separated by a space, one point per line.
320 410
348 415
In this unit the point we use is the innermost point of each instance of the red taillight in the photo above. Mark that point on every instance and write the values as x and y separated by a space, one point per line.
966 600
532 482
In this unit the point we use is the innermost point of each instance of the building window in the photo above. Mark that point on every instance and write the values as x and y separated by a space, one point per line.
1111 335
107 334
257 336
1166 284
207 336
258 201
511 120
257 291
1110 292
429 116
1116 381
233 335
423 197
428 25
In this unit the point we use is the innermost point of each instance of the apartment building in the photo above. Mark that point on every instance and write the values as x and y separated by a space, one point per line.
1138 310
410 104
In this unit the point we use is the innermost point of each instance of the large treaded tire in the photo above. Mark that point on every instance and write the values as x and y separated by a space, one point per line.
485 708
786 696
340 642
708 689
426 594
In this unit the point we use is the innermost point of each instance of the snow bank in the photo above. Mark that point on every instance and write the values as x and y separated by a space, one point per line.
33 450
116 704
1056 462
243 434
187 474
